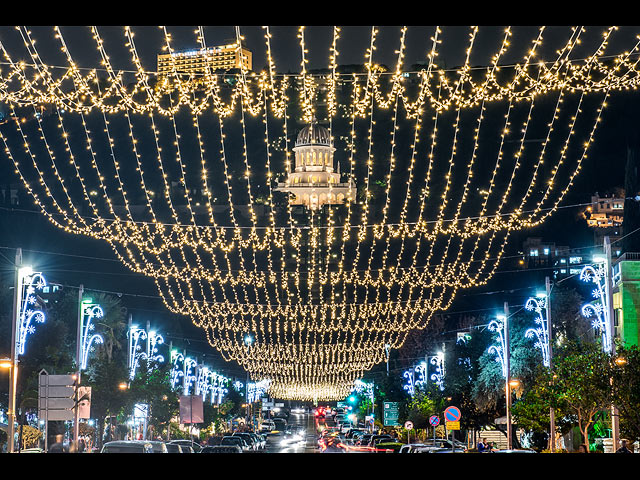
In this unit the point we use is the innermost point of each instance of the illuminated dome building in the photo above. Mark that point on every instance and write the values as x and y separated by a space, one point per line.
314 182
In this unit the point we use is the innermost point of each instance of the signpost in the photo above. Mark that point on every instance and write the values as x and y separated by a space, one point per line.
434 421
452 418
56 399
391 410
408 425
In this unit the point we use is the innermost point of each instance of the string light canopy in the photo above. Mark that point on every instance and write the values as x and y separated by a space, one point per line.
188 177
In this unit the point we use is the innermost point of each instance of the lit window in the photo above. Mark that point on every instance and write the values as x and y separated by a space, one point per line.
533 252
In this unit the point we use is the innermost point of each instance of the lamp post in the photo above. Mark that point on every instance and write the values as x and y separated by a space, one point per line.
503 353
248 341
600 274
541 305
24 313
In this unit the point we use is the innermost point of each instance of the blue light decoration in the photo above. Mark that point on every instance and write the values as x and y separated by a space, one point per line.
598 308
189 377
541 331
135 349
501 349
89 312
415 377
410 385
364 387
238 385
29 313
202 384
256 390
438 376
177 370
218 387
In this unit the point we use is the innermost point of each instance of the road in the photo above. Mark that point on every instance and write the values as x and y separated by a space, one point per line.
278 443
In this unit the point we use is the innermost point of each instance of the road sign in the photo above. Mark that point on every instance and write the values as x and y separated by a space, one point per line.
191 410
453 425
434 420
55 396
391 411
452 414
408 425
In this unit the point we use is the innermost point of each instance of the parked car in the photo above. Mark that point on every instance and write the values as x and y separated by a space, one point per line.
280 424
247 438
127 446
192 447
158 447
231 440
221 449
375 439
267 425
261 440
174 448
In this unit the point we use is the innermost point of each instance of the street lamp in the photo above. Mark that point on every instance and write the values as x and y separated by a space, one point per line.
24 313
248 341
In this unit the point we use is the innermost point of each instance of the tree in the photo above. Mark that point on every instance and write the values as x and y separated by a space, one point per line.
581 384
626 390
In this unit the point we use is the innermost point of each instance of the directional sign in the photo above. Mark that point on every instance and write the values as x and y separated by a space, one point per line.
452 414
391 411
55 396
434 420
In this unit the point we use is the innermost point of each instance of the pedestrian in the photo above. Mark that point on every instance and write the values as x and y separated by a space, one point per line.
623 448
58 446
482 445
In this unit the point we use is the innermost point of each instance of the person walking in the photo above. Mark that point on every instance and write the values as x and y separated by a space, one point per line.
623 448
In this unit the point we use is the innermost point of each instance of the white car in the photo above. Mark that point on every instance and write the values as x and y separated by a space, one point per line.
267 426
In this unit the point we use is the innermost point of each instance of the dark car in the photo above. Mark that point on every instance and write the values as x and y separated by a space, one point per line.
375 439
251 441
127 446
192 447
174 448
234 440
222 449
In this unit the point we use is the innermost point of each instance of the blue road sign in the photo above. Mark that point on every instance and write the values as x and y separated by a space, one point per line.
434 420
452 414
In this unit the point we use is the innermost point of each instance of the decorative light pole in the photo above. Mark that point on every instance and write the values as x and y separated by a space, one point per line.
135 334
501 327
541 305
599 308
602 309
27 283
410 385
248 341
189 377
538 305
90 311
177 370
438 376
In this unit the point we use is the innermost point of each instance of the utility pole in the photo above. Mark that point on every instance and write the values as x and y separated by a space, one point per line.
615 418
552 413
507 356
76 426
13 376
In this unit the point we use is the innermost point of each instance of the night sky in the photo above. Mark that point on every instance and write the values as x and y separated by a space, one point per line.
603 172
